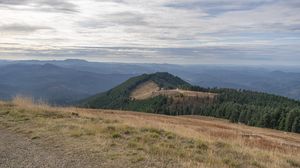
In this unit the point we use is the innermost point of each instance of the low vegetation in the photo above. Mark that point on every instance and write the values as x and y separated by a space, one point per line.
130 139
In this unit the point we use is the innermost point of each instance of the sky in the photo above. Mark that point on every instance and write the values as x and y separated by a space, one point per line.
257 32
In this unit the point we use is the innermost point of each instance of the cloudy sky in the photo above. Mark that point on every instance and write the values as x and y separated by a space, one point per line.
160 31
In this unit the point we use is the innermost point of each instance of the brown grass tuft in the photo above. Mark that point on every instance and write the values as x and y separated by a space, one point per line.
28 102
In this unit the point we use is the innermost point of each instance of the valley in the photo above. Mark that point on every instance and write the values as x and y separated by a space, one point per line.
101 76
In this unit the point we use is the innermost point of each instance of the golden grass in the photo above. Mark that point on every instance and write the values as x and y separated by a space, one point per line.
28 102
144 90
151 89
131 139
185 93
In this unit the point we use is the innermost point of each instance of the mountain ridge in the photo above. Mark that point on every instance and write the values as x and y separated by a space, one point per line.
268 79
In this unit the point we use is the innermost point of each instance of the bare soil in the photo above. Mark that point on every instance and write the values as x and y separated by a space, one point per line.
19 151
145 90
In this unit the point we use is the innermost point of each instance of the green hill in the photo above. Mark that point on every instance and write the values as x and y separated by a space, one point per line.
240 106
119 97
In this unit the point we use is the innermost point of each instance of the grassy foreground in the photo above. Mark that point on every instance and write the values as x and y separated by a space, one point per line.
129 139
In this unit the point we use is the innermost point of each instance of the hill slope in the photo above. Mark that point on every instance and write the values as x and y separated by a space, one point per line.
164 93
120 95
73 137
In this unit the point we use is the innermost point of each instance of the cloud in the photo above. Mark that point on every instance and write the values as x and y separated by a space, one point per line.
116 19
42 5
216 30
13 2
19 28
243 55
216 7
127 18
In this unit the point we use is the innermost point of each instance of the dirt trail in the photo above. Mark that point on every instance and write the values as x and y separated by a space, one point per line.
17 151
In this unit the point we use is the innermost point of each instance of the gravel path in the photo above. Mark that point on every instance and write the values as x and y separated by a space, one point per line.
17 151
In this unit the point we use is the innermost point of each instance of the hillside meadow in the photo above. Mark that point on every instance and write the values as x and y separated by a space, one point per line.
130 139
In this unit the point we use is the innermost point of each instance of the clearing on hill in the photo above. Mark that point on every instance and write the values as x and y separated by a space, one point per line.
150 89
145 90
185 93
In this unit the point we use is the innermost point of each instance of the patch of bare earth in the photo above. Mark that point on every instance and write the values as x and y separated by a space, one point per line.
19 151
150 89
144 90
185 93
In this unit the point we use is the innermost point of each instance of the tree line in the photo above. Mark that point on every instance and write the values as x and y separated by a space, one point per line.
238 106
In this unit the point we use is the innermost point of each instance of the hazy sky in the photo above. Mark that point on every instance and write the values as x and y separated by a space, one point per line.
165 31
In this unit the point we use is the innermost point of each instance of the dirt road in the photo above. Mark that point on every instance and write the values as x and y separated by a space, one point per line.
17 151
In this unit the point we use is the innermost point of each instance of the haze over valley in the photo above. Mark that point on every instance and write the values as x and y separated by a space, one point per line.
68 81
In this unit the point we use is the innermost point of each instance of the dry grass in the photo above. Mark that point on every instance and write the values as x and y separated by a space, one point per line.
150 89
30 103
131 139
185 93
144 90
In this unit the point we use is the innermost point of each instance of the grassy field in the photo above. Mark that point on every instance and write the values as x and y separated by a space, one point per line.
131 139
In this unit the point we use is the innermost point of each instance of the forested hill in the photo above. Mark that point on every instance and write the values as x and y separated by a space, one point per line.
119 96
248 107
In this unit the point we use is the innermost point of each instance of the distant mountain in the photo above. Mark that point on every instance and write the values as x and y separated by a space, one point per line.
164 93
284 81
256 79
52 83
